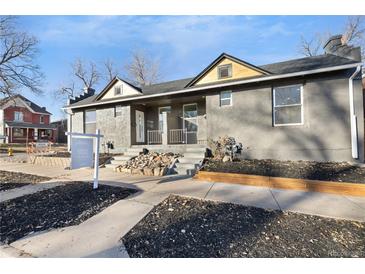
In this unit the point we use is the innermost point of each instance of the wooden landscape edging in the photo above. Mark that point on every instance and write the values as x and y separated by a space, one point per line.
353 189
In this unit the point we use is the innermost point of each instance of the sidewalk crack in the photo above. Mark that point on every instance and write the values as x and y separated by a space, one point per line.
209 191
276 201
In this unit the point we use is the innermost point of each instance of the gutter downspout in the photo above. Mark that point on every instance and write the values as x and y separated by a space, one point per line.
69 126
353 119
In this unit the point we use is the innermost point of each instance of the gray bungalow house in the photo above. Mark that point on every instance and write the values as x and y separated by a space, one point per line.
304 109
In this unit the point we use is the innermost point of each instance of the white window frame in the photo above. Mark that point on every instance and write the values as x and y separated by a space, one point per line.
301 106
116 110
225 99
41 119
159 113
229 66
191 118
18 114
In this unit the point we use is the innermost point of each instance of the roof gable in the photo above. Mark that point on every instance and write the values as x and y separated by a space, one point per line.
19 100
126 89
239 70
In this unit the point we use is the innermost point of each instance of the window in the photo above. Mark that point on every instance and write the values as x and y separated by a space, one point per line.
18 116
161 110
288 105
225 71
118 111
90 121
118 90
190 117
18 132
41 119
225 98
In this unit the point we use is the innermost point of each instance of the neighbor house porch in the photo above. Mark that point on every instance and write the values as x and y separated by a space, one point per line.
17 132
177 121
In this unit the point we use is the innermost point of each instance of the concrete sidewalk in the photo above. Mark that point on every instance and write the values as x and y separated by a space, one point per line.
99 236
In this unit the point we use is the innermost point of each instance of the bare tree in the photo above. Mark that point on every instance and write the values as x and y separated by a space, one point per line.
89 76
17 64
84 76
353 34
354 30
142 70
309 47
111 71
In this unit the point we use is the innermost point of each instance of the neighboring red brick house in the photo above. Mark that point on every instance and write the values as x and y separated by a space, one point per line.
23 121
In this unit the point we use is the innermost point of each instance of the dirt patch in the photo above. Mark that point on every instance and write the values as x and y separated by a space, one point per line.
185 227
103 157
325 171
61 206
10 180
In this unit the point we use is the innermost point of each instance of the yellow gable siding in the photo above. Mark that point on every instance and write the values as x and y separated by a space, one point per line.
238 71
126 90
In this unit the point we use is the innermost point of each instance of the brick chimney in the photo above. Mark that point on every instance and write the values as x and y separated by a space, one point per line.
87 93
335 46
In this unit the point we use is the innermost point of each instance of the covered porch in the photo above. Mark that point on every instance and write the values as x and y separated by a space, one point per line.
24 133
175 121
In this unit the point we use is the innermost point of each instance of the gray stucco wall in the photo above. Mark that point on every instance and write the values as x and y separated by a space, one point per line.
78 122
115 129
325 135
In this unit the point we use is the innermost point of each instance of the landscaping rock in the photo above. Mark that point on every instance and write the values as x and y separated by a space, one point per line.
149 164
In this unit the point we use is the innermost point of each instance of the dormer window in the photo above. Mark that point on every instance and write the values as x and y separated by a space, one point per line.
225 71
118 90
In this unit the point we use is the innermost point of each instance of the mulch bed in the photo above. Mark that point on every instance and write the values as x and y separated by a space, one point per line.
57 207
185 227
325 171
10 180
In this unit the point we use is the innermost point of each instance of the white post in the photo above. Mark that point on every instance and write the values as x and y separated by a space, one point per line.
164 127
96 161
69 128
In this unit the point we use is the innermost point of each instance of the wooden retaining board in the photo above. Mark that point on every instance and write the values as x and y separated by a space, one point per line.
341 188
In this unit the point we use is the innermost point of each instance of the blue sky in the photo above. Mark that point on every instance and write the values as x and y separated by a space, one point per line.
184 45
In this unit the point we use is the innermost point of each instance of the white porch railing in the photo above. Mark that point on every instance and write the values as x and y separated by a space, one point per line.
154 137
177 136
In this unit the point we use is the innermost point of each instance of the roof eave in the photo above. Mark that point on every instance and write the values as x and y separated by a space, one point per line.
218 85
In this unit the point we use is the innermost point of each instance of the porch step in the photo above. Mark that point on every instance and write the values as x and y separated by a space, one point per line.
112 166
194 155
131 153
190 163
187 160
199 149
119 160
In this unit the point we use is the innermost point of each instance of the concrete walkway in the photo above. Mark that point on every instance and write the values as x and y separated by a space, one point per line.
99 236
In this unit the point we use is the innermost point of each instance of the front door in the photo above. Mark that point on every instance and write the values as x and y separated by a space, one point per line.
190 122
139 126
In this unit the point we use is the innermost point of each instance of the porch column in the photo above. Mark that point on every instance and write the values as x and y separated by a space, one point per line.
11 134
35 134
165 129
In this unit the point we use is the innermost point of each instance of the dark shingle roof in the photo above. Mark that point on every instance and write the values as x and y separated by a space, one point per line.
307 63
32 105
166 86
291 66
